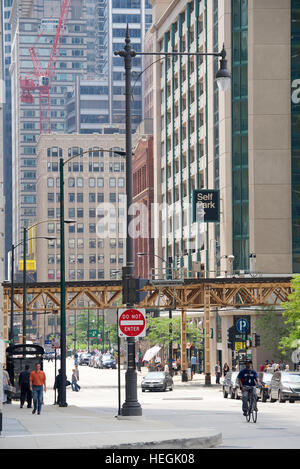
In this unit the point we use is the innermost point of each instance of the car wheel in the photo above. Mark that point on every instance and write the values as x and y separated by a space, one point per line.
225 394
143 390
291 401
271 399
280 398
264 398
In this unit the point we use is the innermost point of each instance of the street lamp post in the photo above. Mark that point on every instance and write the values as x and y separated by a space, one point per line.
12 285
131 405
63 341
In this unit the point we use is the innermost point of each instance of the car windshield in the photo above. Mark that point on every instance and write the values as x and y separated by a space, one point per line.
107 357
267 377
289 378
155 374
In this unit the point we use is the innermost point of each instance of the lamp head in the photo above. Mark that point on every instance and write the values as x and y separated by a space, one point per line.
223 76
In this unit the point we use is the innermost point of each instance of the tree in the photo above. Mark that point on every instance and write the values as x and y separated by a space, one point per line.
158 331
291 338
271 328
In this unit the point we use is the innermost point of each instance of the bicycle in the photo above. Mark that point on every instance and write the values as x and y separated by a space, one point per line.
252 406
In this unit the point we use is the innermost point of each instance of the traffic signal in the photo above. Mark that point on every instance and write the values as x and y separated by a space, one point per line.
231 337
128 287
256 340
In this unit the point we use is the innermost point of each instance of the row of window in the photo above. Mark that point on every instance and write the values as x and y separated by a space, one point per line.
92 259
79 274
92 228
93 182
93 197
93 243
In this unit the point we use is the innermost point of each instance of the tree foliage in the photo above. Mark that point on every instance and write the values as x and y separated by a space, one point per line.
158 331
291 339
271 328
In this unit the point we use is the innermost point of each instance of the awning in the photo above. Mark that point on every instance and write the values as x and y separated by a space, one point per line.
151 353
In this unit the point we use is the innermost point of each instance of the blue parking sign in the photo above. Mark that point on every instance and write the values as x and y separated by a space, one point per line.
242 325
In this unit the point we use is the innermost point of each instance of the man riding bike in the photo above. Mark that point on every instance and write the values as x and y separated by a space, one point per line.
248 379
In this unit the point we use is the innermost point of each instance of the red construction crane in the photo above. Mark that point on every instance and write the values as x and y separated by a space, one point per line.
42 79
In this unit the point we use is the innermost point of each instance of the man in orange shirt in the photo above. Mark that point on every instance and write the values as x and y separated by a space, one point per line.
37 382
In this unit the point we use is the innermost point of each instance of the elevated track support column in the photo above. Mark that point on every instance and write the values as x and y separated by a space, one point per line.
207 336
184 367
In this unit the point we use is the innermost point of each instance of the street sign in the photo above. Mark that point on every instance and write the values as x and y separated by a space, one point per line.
239 346
206 205
132 322
242 325
93 333
48 346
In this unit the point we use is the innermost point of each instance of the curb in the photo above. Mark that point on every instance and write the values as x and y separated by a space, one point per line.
182 443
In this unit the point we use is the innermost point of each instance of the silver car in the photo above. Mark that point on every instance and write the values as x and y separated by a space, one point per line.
285 385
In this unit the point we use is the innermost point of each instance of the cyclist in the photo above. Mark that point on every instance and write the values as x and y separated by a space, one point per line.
248 379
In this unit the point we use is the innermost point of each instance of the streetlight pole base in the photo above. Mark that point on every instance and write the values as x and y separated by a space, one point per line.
184 376
207 379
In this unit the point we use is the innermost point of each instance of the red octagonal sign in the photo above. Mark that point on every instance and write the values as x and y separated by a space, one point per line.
132 323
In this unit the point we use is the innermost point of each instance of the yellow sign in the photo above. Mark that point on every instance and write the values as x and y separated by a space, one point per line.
239 346
30 264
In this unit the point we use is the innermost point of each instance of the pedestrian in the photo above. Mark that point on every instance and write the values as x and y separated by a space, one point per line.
37 382
166 368
76 359
24 383
77 372
287 368
75 385
157 363
137 362
193 364
225 369
218 372
261 367
6 382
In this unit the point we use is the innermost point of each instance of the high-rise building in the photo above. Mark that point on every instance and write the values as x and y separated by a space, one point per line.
243 142
94 198
236 142
87 107
3 318
34 24
137 14
6 6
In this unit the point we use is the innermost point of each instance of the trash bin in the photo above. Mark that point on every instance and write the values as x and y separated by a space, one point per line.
19 355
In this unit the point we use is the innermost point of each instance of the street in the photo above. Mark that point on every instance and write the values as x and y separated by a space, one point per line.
190 405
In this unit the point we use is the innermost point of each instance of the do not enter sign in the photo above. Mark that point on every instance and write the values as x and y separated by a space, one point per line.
132 322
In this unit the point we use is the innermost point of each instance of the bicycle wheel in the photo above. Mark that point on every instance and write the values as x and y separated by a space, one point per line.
248 415
254 415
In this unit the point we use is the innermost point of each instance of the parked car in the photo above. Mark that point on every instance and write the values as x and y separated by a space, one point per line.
84 358
230 386
157 380
263 389
107 361
285 385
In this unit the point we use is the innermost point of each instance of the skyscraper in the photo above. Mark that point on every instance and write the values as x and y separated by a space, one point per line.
34 24
6 6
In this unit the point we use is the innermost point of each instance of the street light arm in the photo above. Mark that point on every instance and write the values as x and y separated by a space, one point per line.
118 152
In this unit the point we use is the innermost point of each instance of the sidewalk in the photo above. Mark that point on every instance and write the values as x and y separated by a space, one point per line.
88 427
92 428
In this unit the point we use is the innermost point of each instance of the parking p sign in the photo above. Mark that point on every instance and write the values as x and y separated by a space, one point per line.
132 322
